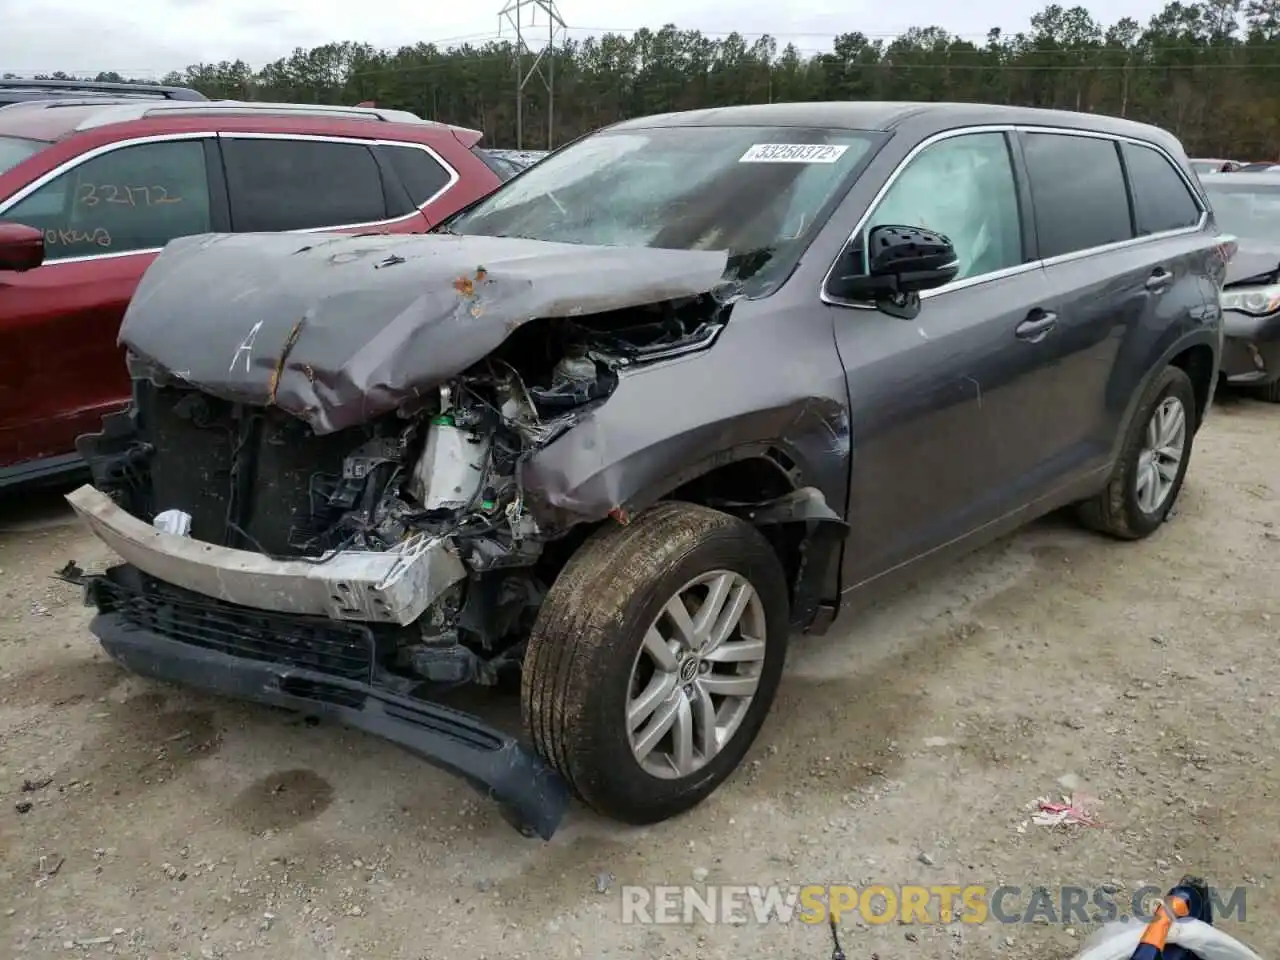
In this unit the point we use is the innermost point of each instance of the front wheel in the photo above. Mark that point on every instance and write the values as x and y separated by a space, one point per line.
1152 465
655 658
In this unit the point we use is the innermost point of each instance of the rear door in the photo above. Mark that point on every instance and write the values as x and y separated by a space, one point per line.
1084 234
105 216
1171 213
1111 270
287 182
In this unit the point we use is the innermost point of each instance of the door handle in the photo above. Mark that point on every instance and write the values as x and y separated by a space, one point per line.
1037 326
1159 279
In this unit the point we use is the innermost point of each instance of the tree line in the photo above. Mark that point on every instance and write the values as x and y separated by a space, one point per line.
1209 71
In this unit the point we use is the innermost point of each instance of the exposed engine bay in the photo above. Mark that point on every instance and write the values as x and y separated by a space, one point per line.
257 478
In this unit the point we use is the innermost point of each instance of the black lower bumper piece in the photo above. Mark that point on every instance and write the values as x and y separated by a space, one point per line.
531 795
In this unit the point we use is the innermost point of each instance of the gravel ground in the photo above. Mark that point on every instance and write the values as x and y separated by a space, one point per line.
145 821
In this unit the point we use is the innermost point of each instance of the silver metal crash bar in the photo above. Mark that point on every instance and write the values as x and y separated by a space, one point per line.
395 586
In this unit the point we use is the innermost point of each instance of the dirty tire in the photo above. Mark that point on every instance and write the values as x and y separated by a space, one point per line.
1115 510
577 668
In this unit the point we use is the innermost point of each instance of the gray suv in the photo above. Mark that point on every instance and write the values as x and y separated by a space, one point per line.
621 429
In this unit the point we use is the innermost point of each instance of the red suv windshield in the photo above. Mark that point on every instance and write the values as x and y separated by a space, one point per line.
13 150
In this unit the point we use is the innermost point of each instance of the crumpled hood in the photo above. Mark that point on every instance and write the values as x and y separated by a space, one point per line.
1253 259
338 329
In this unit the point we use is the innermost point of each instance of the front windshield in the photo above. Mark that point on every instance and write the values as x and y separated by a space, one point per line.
758 193
1248 211
13 150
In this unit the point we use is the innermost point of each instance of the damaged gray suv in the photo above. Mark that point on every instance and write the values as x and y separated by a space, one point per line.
621 428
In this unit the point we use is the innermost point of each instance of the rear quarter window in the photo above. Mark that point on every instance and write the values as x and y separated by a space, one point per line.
1079 193
1161 198
421 173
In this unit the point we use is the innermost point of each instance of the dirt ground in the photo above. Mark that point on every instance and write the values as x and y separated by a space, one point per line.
904 748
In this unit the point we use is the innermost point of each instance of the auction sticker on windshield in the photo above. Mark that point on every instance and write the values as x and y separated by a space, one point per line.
793 153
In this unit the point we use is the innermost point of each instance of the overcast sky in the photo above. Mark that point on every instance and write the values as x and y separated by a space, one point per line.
149 37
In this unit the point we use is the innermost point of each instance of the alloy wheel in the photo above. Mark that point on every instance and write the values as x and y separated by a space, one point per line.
1161 455
696 674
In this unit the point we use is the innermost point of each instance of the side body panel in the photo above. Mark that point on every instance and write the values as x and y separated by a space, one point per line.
943 418
1121 328
61 370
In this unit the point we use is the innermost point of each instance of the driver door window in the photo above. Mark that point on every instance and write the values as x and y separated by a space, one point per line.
134 198
963 188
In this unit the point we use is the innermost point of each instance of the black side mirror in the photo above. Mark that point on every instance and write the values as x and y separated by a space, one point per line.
896 265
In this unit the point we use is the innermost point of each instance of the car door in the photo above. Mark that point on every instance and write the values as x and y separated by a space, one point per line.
1107 279
105 216
940 411
288 182
1169 217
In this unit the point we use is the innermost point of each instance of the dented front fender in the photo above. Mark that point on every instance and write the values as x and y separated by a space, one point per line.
671 422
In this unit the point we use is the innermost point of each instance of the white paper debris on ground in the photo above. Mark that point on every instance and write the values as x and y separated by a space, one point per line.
1072 811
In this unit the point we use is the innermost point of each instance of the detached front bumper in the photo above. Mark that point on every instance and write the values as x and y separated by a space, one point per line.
319 668
395 586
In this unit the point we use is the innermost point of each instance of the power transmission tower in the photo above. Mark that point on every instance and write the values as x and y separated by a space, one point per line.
514 13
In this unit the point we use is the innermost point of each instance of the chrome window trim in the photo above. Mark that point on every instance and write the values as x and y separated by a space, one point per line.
454 176
68 165
23 192
1133 241
81 158
1034 264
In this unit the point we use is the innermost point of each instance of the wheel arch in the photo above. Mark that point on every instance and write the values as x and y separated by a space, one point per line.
763 485
1198 362
1196 354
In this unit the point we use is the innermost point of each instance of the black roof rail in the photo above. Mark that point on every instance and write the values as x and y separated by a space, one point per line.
71 87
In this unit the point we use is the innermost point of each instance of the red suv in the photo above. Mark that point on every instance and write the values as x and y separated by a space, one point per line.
91 190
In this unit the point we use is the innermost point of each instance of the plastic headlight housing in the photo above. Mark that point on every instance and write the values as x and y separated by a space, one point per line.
1255 301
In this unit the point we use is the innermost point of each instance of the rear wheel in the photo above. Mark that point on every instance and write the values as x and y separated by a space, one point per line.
655 658
1153 462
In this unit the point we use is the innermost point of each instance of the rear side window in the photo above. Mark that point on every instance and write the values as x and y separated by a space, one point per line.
421 173
1161 199
301 184
1078 189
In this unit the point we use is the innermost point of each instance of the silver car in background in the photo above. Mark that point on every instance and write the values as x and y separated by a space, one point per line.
1247 206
